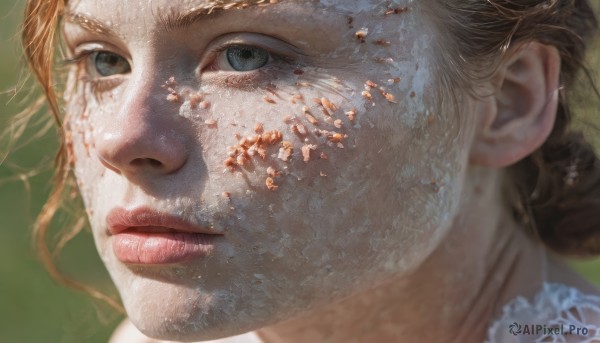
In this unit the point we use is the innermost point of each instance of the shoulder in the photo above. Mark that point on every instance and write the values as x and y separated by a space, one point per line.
556 311
126 332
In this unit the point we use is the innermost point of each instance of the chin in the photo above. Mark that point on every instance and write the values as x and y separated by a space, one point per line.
183 313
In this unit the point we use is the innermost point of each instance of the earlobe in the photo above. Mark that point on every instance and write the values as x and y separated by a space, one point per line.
523 108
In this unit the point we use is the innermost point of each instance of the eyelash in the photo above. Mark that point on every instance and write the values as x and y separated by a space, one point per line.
96 83
233 78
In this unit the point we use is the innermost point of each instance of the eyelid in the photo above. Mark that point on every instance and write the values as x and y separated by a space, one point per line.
84 50
276 47
81 56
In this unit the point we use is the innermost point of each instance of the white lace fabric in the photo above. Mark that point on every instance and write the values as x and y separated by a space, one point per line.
558 314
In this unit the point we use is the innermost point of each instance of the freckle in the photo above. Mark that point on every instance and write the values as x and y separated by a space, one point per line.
389 97
271 137
272 172
227 195
230 163
238 136
298 71
285 151
211 123
398 10
205 104
382 42
232 151
271 184
351 114
338 123
361 34
296 98
173 97
195 99
288 119
259 128
299 129
241 159
269 100
335 137
328 105
412 94
312 119
370 84
394 80
306 151
262 152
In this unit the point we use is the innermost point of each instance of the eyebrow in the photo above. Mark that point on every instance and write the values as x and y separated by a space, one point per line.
175 21
89 24
172 20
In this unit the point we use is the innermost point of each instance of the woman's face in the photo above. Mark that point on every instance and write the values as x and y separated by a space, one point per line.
366 167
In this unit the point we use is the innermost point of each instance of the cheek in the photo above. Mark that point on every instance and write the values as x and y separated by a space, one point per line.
370 205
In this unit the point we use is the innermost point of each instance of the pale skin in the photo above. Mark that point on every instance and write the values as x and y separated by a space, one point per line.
400 234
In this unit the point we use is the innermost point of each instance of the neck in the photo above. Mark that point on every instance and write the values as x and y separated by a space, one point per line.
484 261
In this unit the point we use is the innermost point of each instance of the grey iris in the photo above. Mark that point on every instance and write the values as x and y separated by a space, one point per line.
108 63
245 58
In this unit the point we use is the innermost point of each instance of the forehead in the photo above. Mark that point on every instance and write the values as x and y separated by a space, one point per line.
138 11
145 21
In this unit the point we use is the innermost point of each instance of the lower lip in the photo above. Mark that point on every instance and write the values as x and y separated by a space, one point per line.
161 248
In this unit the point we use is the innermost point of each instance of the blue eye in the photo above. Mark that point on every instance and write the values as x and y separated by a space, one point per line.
246 58
107 63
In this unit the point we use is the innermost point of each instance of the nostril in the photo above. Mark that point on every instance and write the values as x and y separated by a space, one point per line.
139 162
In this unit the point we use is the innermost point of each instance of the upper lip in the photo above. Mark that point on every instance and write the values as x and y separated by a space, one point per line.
120 219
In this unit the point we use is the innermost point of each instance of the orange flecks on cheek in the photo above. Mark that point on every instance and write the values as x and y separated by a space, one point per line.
285 151
298 129
315 128
361 34
271 184
351 115
397 10
248 147
306 149
269 100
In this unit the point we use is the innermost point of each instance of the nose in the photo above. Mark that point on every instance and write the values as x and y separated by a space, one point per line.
145 136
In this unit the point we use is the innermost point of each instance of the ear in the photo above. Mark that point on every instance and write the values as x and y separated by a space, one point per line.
520 115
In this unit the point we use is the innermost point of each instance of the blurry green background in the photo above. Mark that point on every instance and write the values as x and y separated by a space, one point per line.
33 308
